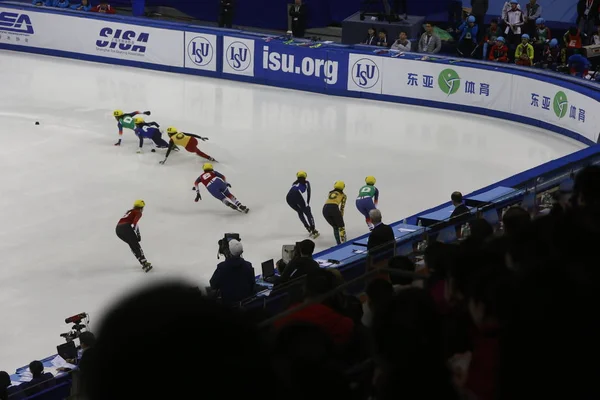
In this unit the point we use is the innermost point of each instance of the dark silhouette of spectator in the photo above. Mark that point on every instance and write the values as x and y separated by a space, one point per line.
339 327
173 324
226 8
379 292
586 191
299 16
587 16
459 207
371 39
234 278
563 197
302 264
409 352
6 390
381 234
404 264
41 380
305 358
514 220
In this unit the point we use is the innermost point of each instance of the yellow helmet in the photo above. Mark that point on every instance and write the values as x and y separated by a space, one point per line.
301 174
370 180
138 120
339 185
207 167
139 204
171 130
118 113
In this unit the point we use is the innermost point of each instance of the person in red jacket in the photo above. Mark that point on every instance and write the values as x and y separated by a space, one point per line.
103 8
128 231
339 327
499 51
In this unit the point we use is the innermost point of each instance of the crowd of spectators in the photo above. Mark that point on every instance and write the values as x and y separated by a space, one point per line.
519 36
509 312
79 5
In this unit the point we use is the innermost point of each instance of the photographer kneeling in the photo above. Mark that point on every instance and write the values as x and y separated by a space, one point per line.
234 277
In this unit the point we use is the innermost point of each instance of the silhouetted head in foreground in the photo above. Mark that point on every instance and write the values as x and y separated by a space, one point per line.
170 342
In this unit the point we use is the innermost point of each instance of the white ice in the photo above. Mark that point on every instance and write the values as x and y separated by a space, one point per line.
64 185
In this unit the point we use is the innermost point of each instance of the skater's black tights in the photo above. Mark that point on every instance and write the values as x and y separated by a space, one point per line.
126 233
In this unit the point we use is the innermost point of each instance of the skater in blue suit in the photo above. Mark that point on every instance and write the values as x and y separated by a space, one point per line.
218 187
298 198
367 199
149 130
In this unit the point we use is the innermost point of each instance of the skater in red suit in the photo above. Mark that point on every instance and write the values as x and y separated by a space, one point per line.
128 231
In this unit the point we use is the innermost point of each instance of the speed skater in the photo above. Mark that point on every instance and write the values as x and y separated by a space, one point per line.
333 211
125 120
128 231
189 141
298 198
367 199
149 130
217 185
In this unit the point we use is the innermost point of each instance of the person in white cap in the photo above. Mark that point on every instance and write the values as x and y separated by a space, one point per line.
234 278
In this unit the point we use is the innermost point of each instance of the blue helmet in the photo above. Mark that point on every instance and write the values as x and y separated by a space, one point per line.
525 36
553 43
540 21
500 39
471 19
514 2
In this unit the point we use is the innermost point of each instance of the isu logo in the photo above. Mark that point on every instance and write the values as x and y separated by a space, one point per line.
200 51
238 56
365 73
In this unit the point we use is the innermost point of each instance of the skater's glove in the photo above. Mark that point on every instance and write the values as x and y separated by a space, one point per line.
204 139
161 162
146 113
139 237
228 185
198 197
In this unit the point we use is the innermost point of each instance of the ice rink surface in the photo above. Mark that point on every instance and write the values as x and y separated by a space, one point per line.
64 185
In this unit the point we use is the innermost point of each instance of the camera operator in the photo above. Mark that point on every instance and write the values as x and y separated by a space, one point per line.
225 13
234 277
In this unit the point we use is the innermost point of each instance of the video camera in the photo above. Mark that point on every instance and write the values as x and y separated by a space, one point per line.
81 322
224 244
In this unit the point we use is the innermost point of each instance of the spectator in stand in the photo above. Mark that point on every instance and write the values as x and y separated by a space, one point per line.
371 39
46 3
382 237
409 354
499 51
586 190
467 42
234 278
103 8
225 19
40 382
382 39
587 15
302 264
459 207
515 220
579 66
299 14
84 5
541 37
379 292
562 198
61 3
338 327
550 57
491 35
514 21
402 43
533 11
478 9
596 37
524 54
403 264
573 41
506 8
430 42
6 390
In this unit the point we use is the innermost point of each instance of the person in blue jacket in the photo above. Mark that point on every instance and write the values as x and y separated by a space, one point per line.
298 198
467 42
46 3
578 65
61 3
83 5
149 130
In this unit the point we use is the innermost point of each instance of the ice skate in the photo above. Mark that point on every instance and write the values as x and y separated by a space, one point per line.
314 234
146 266
243 209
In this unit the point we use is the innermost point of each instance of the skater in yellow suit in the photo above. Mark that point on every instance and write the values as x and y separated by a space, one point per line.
188 141
333 211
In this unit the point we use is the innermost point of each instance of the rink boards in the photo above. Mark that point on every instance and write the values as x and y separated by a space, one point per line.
553 102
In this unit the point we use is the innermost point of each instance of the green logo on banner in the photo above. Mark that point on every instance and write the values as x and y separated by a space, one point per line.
449 81
560 104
